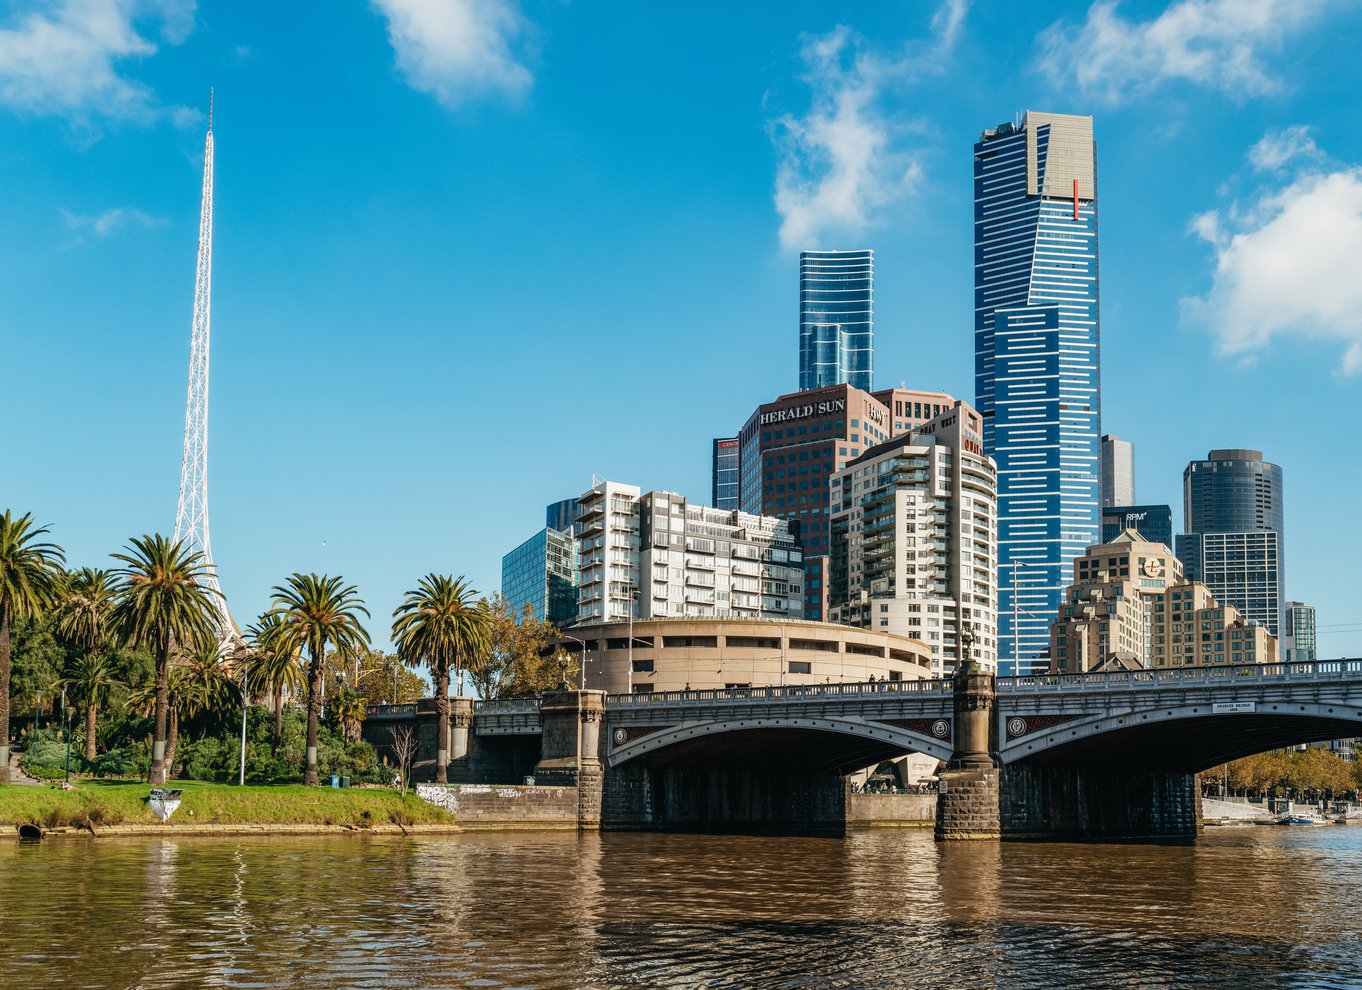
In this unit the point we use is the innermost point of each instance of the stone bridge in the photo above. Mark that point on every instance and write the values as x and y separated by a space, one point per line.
1075 755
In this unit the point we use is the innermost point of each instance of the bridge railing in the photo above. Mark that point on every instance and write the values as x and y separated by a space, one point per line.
507 706
738 695
389 711
1320 670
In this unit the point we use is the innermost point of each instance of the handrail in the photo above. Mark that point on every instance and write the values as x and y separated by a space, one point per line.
388 711
1317 670
783 692
507 706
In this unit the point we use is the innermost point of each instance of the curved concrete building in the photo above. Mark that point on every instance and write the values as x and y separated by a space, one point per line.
708 654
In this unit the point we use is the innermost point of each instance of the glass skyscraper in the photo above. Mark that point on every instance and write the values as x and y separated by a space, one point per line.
542 573
724 487
1232 504
1036 362
836 319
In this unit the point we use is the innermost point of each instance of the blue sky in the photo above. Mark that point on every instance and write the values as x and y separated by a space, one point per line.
470 252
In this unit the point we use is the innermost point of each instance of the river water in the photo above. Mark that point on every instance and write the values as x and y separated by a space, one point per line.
1241 907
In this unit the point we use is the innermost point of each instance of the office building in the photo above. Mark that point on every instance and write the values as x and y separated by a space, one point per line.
542 574
1037 382
1118 471
1298 633
561 515
791 447
655 555
836 319
1130 606
1153 522
914 531
724 472
706 654
1233 543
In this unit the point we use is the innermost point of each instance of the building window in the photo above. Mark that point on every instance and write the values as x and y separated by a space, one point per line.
801 667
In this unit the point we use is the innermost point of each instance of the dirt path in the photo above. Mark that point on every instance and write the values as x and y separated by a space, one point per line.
17 776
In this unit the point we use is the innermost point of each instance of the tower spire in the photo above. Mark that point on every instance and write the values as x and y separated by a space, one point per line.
191 516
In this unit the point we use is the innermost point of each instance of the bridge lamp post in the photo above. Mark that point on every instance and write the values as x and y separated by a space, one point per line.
633 607
581 678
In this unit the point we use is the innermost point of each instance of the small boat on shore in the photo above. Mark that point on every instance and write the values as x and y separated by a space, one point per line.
1293 816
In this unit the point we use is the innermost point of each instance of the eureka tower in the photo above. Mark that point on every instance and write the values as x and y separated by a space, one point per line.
1036 363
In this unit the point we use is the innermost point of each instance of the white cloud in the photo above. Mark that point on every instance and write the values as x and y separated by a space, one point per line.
106 223
1286 266
1214 43
1277 149
63 61
844 161
457 49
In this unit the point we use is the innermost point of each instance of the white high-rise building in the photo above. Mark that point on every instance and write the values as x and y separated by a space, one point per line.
1118 471
915 539
656 555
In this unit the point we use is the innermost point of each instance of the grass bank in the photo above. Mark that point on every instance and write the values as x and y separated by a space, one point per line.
105 802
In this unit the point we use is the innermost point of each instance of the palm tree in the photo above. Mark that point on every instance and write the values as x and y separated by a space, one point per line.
273 666
163 604
93 680
83 618
441 624
316 610
29 573
348 708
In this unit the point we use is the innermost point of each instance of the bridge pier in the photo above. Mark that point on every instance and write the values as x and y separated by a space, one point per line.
570 754
967 806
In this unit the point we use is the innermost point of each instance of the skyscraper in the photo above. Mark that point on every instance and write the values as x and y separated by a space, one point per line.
1232 504
1298 633
724 488
542 573
1036 361
836 319
1118 471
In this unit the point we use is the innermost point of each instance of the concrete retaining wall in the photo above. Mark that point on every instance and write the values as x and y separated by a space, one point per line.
891 810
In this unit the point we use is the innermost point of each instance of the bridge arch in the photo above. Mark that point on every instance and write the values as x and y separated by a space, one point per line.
1186 737
876 739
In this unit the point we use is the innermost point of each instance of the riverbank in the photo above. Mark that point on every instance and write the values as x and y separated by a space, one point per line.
120 807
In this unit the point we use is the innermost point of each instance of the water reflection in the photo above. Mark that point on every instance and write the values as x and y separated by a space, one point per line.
1241 907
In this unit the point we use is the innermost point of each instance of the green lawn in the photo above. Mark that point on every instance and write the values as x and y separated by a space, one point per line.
107 802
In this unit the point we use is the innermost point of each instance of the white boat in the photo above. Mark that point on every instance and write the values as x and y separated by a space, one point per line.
1291 816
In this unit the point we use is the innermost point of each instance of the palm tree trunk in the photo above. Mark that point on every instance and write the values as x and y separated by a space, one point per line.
90 730
172 740
159 771
314 713
4 693
442 724
278 717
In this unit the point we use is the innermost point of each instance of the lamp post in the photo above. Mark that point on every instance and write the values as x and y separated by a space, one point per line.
581 677
633 607
245 704
66 717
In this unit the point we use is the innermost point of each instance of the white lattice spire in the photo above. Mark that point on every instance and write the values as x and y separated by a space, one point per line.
191 517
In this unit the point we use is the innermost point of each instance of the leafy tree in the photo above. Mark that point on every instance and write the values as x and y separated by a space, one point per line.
440 624
317 610
385 680
36 665
518 663
30 570
92 680
162 603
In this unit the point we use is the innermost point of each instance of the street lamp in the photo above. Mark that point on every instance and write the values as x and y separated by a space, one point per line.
633 607
581 677
245 704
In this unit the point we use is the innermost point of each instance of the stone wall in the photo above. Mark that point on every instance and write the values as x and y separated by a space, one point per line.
891 810
967 807
491 806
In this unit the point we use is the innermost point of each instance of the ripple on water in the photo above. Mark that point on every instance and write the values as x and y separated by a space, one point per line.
1240 908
